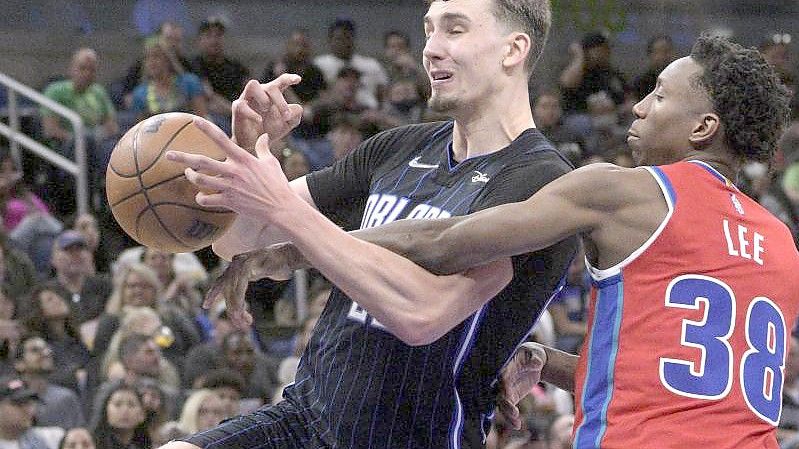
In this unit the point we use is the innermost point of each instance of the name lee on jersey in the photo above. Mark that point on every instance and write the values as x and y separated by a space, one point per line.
743 243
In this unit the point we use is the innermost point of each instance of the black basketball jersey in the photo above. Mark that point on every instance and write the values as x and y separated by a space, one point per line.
368 389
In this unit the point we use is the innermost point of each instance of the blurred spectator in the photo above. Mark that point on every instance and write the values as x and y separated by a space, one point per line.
77 438
223 77
228 385
136 357
91 102
16 199
139 287
58 406
157 406
548 113
87 225
237 352
17 411
401 64
10 334
341 40
660 52
781 196
298 59
17 273
607 136
775 50
590 71
167 87
181 290
49 318
170 35
203 358
403 106
342 97
183 264
118 420
202 410
86 293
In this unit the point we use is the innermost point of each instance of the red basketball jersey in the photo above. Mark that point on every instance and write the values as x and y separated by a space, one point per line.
688 335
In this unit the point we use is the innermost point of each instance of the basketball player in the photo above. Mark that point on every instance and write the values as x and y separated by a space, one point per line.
409 365
695 284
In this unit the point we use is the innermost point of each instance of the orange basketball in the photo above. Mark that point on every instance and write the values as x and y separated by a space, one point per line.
150 197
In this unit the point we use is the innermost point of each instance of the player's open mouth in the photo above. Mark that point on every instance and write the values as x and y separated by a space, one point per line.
440 76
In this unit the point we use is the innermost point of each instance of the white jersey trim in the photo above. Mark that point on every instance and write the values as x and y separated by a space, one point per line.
600 274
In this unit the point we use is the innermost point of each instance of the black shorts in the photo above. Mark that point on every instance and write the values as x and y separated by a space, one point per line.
279 426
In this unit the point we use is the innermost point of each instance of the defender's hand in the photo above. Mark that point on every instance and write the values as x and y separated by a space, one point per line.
518 379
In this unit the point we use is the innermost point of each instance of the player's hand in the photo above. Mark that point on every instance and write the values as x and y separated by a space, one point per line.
252 185
275 262
518 379
262 108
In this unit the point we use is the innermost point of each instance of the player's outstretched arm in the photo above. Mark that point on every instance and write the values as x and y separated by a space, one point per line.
415 305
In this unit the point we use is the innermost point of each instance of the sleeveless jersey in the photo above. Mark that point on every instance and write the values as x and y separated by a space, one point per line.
368 389
688 335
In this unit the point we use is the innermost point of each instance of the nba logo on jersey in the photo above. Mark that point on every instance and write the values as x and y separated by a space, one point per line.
737 204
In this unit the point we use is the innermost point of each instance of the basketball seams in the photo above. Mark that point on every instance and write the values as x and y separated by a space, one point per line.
163 148
144 189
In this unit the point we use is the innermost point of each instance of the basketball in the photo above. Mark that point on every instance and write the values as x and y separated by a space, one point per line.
150 197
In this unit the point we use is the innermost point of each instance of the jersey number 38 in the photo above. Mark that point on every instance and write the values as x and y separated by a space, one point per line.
760 369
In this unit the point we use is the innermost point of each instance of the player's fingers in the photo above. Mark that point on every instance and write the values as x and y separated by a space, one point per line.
241 108
295 115
196 161
254 95
284 81
214 293
205 181
262 147
278 100
212 200
213 132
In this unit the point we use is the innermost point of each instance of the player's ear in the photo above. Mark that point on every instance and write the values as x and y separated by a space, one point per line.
705 130
516 49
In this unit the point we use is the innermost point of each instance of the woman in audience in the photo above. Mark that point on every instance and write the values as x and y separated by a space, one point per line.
77 438
203 410
118 421
49 318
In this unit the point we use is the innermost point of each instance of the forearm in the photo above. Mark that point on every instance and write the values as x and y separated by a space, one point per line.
412 303
559 368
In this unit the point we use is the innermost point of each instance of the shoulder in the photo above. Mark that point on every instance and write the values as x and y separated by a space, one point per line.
408 135
610 187
57 88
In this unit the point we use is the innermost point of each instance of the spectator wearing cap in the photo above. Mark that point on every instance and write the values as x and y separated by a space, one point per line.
590 71
86 293
341 40
17 411
660 52
224 77
58 406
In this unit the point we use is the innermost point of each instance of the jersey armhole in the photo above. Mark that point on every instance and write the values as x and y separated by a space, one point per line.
671 200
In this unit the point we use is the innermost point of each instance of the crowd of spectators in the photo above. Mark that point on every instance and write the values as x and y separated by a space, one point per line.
103 344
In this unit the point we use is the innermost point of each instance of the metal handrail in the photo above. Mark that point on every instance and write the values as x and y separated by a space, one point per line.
78 167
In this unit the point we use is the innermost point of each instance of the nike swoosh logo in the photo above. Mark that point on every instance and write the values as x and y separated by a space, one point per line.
416 164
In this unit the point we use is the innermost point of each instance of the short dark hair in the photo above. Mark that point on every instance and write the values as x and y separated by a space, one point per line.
746 93
532 17
224 377
341 23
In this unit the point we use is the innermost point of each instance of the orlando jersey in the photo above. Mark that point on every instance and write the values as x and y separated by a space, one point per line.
688 336
365 387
